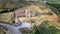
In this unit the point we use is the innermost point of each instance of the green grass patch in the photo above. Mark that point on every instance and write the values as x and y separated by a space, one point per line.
56 5
54 2
49 30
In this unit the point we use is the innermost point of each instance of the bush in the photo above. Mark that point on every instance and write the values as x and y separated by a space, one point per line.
48 30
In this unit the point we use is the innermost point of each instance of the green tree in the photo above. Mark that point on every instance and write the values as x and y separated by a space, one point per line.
35 30
45 30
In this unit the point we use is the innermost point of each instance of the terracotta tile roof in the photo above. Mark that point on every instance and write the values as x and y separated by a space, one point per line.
19 13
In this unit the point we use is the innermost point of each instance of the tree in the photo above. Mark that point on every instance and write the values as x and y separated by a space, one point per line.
35 30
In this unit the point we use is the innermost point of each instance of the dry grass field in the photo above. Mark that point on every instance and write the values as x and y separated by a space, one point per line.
6 17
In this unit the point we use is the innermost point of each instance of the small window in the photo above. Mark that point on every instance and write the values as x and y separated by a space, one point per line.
22 16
